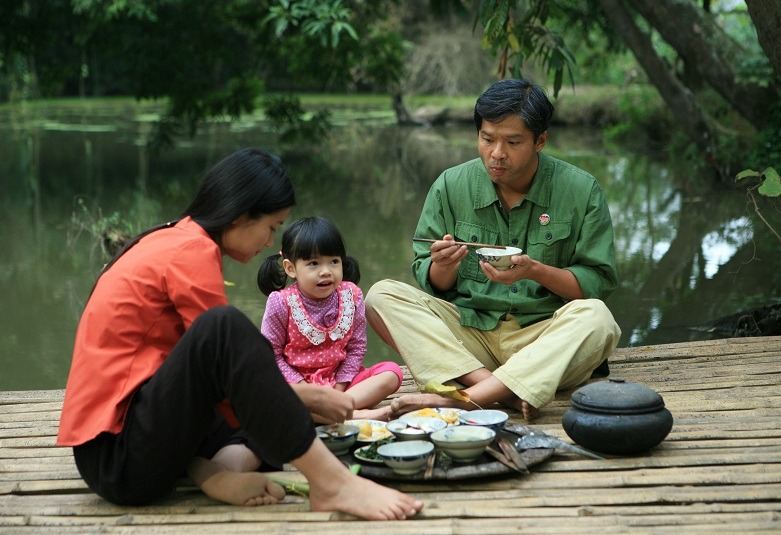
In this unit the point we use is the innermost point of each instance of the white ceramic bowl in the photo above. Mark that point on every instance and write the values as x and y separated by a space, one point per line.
419 428
463 443
498 258
490 418
338 437
408 457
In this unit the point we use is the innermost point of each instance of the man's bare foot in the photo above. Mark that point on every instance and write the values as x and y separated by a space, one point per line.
412 402
242 488
529 412
382 414
363 498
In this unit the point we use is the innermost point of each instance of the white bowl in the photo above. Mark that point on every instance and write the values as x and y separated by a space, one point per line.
408 457
338 437
498 258
463 443
490 418
415 428
448 414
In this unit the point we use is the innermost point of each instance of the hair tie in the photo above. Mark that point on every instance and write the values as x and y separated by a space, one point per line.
281 254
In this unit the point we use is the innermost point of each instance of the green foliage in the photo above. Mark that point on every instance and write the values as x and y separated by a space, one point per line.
757 70
293 123
324 20
768 144
517 31
202 59
770 182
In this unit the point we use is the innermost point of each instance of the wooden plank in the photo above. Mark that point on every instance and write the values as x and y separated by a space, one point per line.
719 468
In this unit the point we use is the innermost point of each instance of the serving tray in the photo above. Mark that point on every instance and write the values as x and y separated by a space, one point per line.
484 466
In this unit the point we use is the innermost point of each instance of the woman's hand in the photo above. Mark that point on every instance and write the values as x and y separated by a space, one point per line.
330 404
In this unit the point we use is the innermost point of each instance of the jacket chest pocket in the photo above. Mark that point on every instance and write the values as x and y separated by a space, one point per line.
550 244
472 233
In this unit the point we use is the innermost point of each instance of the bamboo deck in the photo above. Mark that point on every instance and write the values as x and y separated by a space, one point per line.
719 470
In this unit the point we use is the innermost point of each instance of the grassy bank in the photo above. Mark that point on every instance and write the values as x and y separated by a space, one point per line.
598 106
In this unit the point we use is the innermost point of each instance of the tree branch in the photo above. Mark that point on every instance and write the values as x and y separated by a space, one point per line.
705 46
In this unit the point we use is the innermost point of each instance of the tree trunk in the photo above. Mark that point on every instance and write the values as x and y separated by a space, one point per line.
403 116
703 44
696 123
766 15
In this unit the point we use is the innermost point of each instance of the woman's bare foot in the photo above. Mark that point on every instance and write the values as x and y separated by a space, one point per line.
332 487
242 488
363 498
382 414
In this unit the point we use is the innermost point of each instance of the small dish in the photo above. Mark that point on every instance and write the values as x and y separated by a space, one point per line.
491 418
363 455
415 428
447 414
408 457
370 430
338 437
464 443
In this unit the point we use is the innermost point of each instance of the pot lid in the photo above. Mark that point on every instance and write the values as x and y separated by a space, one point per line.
617 396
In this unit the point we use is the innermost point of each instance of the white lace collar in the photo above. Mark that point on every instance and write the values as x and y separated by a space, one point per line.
316 333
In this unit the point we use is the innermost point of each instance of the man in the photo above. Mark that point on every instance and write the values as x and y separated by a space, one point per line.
514 336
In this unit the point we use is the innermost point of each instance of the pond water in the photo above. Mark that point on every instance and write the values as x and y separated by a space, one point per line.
688 253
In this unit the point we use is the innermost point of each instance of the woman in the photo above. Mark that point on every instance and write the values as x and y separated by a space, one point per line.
157 349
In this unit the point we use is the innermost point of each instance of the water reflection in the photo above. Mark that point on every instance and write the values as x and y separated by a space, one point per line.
687 253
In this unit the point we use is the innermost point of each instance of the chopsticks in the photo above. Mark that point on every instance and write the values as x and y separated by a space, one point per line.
427 240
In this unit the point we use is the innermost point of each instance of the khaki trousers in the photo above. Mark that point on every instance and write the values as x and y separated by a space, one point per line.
533 361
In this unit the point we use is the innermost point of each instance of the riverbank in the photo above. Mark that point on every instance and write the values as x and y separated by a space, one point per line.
584 105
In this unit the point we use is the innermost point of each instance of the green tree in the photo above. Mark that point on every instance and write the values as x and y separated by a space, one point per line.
203 59
682 46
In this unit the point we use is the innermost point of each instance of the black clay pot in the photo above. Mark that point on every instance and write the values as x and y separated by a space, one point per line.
617 417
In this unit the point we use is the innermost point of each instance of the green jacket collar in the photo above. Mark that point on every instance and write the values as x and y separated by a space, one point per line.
539 194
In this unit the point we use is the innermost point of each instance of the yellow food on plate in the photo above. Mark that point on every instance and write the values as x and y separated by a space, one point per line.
450 416
370 431
427 413
366 431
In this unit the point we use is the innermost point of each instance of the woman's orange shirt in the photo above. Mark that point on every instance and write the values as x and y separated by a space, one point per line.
137 313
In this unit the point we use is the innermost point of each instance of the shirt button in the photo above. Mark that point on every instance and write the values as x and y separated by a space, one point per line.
513 289
474 238
514 241
548 235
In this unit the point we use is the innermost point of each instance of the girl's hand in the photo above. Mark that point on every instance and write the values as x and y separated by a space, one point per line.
341 387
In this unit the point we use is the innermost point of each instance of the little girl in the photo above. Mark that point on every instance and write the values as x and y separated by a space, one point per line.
317 326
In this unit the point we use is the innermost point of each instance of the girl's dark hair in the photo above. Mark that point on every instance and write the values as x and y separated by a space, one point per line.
250 181
304 239
515 96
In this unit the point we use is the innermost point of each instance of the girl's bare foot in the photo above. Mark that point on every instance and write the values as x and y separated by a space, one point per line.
363 498
411 402
242 488
382 414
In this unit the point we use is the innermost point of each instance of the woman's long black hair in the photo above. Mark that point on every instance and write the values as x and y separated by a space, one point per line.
304 239
250 181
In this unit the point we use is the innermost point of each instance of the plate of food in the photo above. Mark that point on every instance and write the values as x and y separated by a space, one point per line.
368 454
370 430
449 415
